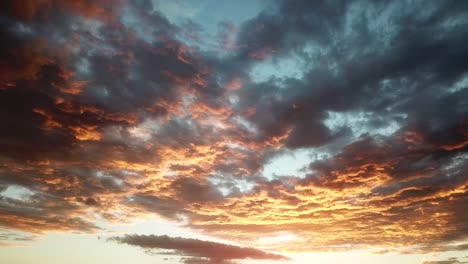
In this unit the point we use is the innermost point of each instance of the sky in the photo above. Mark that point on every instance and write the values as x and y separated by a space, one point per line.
233 132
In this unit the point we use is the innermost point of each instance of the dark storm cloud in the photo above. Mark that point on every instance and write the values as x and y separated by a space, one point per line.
111 74
290 25
212 252
408 71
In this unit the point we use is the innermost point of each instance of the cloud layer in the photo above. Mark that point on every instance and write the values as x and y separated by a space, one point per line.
113 110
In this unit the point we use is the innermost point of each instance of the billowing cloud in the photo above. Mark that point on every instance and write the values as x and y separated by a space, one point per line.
198 251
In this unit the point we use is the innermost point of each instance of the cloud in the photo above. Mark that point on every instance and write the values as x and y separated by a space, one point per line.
113 110
370 187
8 238
448 261
299 110
198 251
30 10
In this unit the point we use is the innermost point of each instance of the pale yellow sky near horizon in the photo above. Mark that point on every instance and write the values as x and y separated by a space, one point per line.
59 248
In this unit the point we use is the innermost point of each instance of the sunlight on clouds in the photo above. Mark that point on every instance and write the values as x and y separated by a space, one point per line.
280 237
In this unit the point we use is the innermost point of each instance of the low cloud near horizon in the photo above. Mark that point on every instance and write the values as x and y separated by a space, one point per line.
197 251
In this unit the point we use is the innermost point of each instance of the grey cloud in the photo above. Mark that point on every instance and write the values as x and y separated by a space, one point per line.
212 251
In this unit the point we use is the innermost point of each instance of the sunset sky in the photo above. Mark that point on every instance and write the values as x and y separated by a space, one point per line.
233 132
